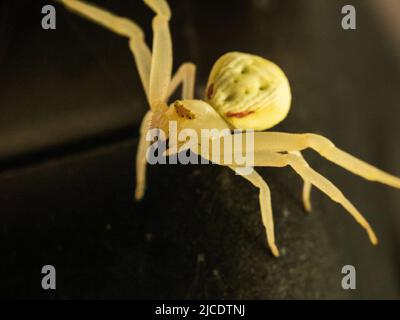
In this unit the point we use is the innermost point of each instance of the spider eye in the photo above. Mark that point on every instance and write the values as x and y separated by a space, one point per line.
182 111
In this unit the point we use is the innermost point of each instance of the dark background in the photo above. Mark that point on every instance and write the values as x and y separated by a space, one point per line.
70 106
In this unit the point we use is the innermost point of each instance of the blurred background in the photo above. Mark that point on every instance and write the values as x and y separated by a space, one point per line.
70 106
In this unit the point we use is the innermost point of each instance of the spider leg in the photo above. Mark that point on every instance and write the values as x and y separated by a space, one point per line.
154 70
263 156
272 159
186 75
275 159
278 142
306 195
161 64
266 208
141 157
159 83
121 26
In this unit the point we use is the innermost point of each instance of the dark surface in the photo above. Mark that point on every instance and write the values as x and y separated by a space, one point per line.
71 102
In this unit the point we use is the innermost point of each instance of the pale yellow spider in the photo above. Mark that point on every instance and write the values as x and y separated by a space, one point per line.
244 92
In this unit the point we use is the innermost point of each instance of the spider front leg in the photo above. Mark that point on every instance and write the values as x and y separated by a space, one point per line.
161 87
141 157
186 75
161 63
266 208
154 69
123 27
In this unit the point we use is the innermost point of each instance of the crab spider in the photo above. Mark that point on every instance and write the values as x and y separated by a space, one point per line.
243 92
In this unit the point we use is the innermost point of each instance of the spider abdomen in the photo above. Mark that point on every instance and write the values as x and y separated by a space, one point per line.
248 91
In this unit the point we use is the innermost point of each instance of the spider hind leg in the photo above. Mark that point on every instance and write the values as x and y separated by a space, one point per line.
266 208
271 159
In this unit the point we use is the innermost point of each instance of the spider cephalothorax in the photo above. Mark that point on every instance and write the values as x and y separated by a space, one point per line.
243 92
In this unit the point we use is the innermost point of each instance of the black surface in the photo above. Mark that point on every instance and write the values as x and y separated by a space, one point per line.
71 102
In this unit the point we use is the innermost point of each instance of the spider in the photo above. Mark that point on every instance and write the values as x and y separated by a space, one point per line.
244 91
